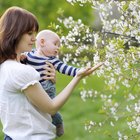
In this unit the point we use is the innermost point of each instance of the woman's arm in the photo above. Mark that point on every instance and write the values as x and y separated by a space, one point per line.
40 99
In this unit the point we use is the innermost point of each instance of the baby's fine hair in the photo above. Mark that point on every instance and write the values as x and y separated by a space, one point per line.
45 34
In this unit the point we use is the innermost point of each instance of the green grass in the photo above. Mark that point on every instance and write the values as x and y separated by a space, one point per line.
76 113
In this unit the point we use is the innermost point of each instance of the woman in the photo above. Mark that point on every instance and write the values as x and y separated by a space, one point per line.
25 108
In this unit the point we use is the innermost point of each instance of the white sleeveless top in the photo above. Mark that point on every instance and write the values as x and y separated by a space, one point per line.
20 119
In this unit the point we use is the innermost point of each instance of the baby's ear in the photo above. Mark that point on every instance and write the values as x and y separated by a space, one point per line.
42 42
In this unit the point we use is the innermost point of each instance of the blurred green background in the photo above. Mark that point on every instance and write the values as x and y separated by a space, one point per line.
47 11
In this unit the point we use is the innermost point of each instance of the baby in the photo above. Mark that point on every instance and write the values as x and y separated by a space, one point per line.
47 49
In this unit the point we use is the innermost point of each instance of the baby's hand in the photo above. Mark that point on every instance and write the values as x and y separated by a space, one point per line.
23 58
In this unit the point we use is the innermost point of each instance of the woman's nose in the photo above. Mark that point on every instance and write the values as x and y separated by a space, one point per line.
34 38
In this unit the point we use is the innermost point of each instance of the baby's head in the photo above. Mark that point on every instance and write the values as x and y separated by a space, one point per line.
48 42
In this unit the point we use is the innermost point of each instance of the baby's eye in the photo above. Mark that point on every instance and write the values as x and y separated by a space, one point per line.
57 44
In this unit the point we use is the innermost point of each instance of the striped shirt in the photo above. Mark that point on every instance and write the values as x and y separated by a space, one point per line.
39 62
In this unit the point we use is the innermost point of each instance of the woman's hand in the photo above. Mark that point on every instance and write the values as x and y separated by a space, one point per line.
88 70
50 73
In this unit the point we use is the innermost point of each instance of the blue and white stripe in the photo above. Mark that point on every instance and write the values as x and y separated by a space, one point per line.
39 62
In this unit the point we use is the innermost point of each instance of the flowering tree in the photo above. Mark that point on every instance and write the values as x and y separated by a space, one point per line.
117 44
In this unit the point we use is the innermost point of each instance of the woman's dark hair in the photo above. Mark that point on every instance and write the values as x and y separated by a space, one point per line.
13 24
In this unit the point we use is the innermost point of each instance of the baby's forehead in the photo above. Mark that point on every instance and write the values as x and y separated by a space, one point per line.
53 36
48 35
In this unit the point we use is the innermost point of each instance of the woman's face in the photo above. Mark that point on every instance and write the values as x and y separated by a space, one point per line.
26 42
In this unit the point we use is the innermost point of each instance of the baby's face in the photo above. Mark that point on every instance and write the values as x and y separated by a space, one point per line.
52 46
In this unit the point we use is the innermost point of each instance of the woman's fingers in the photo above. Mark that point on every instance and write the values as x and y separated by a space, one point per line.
49 72
49 65
52 78
88 70
92 69
97 66
49 76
